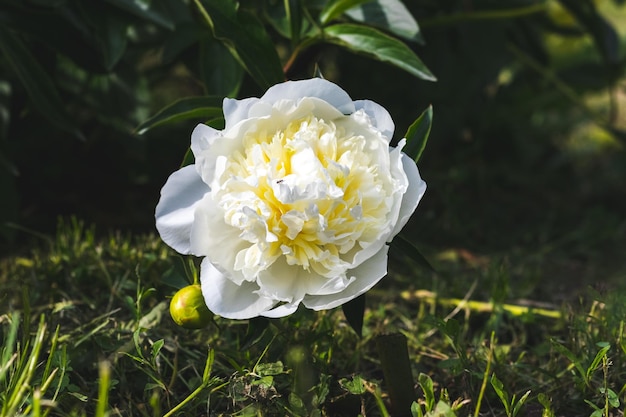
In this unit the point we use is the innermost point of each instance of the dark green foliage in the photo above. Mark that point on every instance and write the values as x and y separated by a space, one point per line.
99 70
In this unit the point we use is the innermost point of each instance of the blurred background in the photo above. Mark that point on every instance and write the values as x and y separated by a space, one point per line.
525 161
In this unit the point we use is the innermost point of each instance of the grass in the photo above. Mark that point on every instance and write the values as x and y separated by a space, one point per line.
86 332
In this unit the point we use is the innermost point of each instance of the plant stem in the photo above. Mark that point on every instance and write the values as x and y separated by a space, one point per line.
103 389
483 387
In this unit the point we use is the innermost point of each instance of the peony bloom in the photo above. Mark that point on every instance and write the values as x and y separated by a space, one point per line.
293 202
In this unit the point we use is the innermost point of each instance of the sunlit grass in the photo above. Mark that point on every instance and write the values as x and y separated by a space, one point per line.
86 332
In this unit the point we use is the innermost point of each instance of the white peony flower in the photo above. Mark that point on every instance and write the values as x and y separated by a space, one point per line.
293 202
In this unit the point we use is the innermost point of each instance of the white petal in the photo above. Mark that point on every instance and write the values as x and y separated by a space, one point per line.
365 277
361 255
236 110
213 238
381 118
202 137
283 282
174 213
281 311
227 299
316 87
413 195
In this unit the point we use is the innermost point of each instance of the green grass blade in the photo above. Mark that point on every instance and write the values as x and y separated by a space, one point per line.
8 346
103 389
596 361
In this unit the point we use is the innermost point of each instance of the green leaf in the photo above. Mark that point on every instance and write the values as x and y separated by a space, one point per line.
106 27
264 381
427 386
443 410
246 38
110 32
598 411
269 369
257 327
202 108
56 32
502 394
354 311
416 410
518 405
354 386
297 404
545 401
156 348
185 35
407 247
38 85
418 133
375 44
389 15
611 396
335 8
188 159
290 21
571 356
596 361
220 71
144 10
604 35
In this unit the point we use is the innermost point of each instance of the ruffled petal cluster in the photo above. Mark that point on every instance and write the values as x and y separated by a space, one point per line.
292 203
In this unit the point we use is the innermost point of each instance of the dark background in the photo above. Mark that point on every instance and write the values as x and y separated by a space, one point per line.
526 150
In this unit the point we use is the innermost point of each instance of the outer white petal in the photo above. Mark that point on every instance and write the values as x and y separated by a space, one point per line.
365 277
381 118
236 110
315 87
281 311
227 299
174 213
202 137
290 284
413 195
283 282
213 238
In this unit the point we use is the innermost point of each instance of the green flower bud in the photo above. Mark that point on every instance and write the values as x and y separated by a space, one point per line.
188 308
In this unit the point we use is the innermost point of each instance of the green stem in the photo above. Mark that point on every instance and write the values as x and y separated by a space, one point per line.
483 387
302 46
103 389
205 383
186 400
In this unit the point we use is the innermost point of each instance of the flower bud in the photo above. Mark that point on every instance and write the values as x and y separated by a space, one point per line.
188 308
